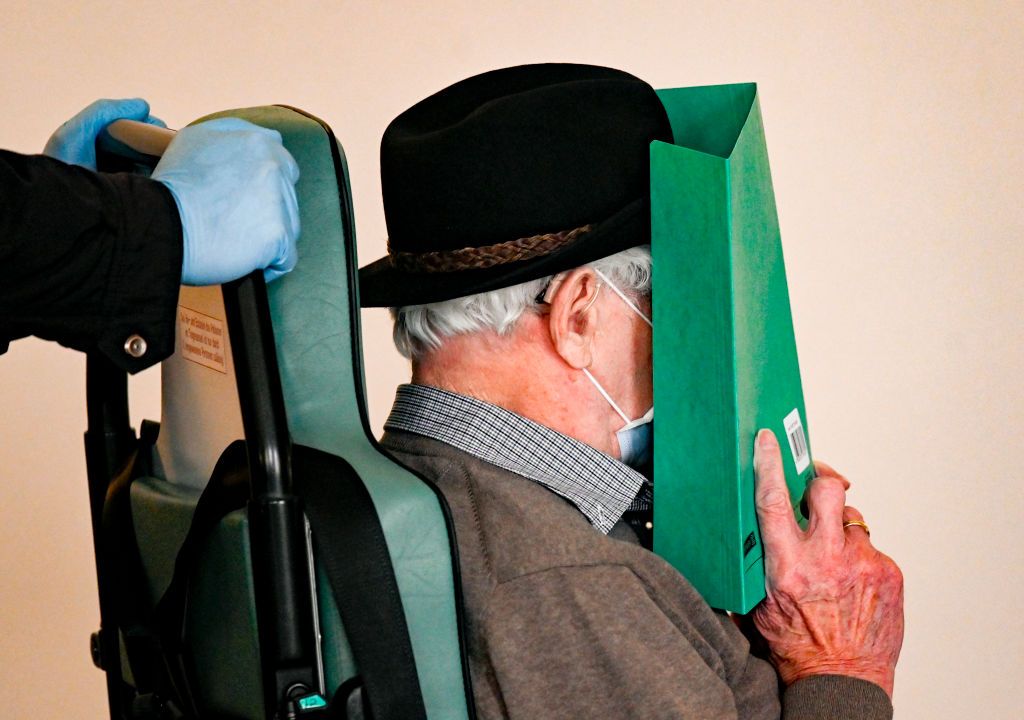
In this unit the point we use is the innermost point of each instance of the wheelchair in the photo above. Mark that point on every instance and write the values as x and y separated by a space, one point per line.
259 555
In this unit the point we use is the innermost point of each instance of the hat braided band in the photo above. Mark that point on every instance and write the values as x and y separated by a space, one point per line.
477 258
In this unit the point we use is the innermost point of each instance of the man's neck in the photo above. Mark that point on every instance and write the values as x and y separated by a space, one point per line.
521 373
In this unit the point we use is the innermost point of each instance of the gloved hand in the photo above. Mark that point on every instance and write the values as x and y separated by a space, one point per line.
234 184
74 142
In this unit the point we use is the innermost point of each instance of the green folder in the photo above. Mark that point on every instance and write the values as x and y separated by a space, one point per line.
725 361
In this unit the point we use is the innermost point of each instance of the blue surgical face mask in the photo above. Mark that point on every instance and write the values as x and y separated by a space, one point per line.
635 442
636 436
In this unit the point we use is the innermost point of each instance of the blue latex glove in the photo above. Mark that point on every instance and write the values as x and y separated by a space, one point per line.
74 142
234 184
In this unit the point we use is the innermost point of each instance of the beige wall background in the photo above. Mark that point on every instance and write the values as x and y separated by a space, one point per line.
895 138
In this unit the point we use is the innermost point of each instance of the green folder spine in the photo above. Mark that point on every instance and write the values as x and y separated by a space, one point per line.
725 361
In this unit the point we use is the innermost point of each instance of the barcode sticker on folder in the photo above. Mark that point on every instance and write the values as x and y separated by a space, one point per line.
797 440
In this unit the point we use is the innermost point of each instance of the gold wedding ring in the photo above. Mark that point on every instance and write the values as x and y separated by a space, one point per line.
858 523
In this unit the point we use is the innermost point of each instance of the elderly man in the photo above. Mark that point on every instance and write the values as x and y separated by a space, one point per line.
519 279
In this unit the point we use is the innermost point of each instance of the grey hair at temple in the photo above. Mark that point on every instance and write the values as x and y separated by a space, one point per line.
421 328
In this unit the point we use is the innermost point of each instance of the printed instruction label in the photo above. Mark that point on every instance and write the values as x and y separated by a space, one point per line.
202 339
797 440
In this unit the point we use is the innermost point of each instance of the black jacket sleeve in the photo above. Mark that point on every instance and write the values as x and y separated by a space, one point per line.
87 259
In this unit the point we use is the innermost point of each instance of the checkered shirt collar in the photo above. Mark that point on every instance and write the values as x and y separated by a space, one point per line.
596 483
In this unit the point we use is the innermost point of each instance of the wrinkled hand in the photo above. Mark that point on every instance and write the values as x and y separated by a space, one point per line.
234 184
74 142
835 603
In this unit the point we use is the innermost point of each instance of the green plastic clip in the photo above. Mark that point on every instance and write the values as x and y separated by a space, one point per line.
312 702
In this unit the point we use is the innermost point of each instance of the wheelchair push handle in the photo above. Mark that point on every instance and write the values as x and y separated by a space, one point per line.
140 137
132 146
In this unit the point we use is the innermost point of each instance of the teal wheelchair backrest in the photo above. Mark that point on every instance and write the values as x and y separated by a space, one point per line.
315 314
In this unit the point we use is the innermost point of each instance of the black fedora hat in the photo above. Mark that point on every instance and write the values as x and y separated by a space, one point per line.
513 175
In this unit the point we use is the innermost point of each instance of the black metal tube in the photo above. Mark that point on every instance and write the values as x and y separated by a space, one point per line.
259 386
277 530
109 440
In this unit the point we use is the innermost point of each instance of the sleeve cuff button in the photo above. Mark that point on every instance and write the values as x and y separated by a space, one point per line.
135 346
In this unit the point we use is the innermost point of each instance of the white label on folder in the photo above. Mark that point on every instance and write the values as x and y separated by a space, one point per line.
797 440
202 339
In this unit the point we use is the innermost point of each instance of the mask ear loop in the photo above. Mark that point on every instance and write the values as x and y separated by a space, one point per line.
605 281
607 397
630 303
590 377
649 415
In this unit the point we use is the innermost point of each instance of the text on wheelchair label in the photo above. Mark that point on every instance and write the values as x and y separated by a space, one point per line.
201 339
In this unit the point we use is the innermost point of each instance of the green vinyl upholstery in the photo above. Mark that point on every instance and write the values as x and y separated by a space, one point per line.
316 326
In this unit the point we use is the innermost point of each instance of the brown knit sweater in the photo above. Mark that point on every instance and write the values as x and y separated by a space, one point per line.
565 622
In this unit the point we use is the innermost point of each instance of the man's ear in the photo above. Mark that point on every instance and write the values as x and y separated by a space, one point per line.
573 319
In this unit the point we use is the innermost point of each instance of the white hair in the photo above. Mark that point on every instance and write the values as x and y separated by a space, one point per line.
420 328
